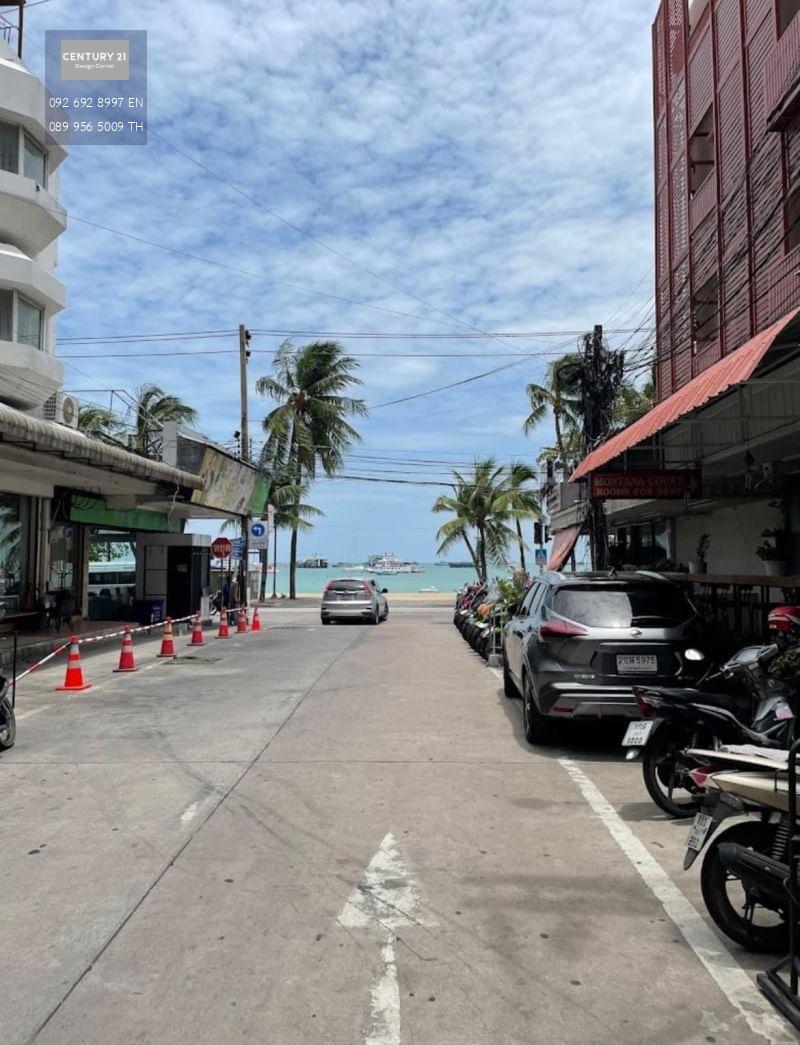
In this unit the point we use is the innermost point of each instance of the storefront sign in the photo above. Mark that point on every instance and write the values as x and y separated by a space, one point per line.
94 510
230 485
652 484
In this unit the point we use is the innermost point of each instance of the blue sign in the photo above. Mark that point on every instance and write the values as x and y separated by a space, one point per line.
258 529
540 557
237 548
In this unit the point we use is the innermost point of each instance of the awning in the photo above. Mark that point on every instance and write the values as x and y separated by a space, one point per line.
732 370
563 543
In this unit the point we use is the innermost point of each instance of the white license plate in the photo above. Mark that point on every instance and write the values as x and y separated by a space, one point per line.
637 663
637 733
699 832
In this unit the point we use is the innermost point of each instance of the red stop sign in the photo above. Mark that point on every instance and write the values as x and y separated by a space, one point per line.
221 548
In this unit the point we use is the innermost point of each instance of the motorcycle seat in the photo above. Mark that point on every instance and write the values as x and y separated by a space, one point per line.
686 695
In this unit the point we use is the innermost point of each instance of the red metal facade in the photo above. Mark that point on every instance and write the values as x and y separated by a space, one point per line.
725 268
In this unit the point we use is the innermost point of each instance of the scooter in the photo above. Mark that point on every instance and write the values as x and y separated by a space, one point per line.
677 719
745 869
8 722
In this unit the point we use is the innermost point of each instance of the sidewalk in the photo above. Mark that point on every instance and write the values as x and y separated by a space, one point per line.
32 646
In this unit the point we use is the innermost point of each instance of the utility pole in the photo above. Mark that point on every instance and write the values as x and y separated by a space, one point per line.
244 356
601 375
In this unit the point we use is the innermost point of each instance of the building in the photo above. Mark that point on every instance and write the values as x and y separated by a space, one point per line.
726 93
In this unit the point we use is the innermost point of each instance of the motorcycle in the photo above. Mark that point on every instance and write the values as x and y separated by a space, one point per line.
745 872
8 722
679 719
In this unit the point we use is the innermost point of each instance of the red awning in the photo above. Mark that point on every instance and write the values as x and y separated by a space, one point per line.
731 370
563 543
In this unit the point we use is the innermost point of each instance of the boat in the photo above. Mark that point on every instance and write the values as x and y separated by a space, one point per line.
388 565
431 589
461 565
316 562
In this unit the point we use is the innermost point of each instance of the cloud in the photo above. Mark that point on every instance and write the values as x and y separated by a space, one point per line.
481 165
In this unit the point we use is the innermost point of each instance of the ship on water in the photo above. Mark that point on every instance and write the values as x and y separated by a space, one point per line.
316 562
388 565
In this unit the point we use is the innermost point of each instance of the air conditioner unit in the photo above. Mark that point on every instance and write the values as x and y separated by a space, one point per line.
61 408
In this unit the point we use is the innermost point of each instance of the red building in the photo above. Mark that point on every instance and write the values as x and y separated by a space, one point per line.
726 93
726 80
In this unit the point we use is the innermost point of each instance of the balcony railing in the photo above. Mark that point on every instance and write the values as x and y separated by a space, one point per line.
782 79
9 32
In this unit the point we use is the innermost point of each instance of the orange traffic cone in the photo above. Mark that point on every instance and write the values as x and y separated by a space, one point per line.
224 630
241 624
197 632
73 680
167 642
126 662
256 625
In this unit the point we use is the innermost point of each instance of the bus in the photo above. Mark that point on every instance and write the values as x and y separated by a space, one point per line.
114 581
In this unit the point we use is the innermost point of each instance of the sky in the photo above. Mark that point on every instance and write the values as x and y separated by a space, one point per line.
405 168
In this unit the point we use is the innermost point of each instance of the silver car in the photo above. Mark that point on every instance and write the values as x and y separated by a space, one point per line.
353 598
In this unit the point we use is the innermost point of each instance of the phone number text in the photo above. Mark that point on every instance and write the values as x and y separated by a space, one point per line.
96 103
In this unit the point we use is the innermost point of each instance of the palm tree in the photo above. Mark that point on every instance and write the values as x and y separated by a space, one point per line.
561 395
290 511
153 408
480 504
522 501
92 418
631 403
309 427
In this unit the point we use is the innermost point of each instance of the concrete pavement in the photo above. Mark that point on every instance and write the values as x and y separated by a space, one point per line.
338 835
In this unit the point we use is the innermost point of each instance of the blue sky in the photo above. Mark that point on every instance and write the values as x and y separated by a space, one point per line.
472 165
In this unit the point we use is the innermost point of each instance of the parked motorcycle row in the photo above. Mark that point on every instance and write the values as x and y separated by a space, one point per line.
715 751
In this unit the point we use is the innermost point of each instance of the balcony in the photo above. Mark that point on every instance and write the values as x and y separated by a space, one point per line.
19 272
782 79
28 376
22 101
29 215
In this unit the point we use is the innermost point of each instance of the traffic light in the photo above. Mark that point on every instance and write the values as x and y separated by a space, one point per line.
537 534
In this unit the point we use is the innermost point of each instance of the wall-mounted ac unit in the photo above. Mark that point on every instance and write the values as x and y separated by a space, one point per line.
61 408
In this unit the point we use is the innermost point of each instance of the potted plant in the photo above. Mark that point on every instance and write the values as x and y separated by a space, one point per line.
773 552
700 564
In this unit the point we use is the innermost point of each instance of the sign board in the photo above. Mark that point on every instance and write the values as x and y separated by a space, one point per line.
540 557
648 484
259 536
221 548
271 515
237 548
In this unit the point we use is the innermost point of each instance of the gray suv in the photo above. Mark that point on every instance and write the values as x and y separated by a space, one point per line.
579 642
351 598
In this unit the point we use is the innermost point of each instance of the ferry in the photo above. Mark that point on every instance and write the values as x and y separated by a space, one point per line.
389 565
316 562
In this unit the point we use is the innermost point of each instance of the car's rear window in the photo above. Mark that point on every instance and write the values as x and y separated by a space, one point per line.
605 607
346 586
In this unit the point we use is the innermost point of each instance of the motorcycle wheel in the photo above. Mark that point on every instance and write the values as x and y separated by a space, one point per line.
8 729
666 774
729 904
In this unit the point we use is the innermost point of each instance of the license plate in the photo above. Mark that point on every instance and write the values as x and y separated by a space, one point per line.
637 664
699 832
637 733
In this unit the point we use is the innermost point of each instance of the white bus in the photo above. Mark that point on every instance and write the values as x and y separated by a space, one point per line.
113 580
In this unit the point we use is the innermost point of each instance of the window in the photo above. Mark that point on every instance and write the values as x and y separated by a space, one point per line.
791 221
34 162
705 314
628 607
6 315
787 9
29 323
531 597
9 147
701 151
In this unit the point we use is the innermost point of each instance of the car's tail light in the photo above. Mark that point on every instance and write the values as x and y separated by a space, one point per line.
367 589
560 629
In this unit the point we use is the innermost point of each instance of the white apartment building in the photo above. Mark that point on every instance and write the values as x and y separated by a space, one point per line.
31 220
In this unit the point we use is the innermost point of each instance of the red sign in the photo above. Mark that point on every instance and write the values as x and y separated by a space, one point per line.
662 483
221 548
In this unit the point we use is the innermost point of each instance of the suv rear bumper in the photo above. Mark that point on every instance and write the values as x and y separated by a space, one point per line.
350 611
572 700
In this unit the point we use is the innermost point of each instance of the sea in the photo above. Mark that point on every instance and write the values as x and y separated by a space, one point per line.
448 579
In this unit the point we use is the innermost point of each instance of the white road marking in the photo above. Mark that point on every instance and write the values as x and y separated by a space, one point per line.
35 711
386 897
729 976
190 813
497 672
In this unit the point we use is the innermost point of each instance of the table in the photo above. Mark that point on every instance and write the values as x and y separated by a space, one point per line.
741 584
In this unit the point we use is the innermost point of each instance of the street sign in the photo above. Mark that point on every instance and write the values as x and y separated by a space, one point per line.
540 556
221 548
237 547
259 537
271 515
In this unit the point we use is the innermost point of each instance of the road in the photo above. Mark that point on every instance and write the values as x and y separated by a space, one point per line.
338 835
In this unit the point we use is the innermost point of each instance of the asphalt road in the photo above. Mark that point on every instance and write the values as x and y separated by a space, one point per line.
338 835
